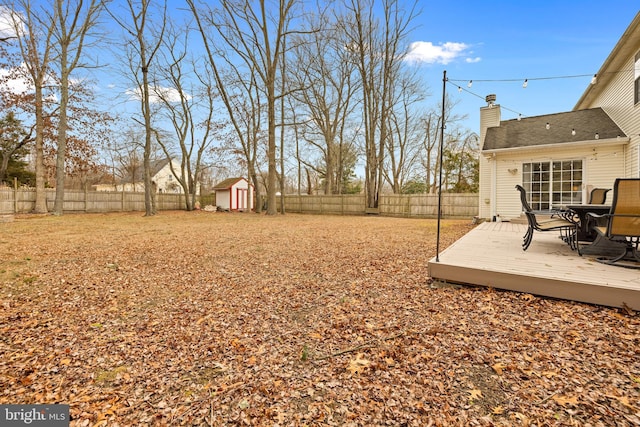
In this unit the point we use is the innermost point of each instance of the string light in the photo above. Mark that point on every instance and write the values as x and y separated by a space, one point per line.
597 135
573 76
461 89
594 80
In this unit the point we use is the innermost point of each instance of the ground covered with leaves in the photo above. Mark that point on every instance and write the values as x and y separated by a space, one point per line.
196 318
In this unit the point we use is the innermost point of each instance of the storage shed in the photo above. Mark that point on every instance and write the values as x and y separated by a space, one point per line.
234 194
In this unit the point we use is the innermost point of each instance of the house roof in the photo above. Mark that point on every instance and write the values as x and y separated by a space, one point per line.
628 45
227 183
532 131
138 174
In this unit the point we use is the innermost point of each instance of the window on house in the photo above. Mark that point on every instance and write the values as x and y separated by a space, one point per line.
636 80
552 184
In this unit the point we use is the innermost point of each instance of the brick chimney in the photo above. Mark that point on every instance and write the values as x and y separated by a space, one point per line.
489 117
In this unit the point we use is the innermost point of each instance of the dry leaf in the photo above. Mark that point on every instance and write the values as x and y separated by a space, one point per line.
358 365
563 400
527 297
475 393
623 400
499 367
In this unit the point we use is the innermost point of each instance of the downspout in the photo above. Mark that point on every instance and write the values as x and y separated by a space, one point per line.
494 186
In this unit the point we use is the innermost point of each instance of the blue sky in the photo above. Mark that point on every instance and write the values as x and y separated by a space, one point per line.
518 40
504 40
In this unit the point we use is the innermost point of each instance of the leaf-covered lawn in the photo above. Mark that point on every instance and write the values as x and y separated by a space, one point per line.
241 319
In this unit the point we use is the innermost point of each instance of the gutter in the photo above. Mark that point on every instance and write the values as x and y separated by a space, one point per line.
599 142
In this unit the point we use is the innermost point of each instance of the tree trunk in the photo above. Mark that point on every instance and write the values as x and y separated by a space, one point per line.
41 193
62 137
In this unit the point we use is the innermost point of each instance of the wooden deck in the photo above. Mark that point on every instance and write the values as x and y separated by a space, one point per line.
491 255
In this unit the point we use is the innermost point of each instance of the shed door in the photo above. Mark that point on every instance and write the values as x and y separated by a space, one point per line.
242 198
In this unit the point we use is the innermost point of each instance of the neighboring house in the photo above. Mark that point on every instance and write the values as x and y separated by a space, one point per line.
560 157
234 194
161 176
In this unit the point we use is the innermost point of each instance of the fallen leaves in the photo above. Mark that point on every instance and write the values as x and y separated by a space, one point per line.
475 393
232 319
564 400
358 365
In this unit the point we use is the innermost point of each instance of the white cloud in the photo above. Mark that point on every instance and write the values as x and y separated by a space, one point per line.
473 60
171 94
443 53
14 84
7 26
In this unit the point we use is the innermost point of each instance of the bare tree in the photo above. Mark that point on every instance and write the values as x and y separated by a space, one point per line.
145 40
377 47
255 34
73 19
431 124
188 107
240 93
34 36
402 151
325 83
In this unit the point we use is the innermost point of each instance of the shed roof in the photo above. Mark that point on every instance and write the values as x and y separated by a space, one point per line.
227 183
532 131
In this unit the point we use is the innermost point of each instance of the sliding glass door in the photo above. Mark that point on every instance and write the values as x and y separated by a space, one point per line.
552 184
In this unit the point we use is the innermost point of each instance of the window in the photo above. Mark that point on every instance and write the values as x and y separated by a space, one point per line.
636 80
552 184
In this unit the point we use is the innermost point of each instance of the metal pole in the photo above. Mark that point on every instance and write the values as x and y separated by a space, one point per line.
444 88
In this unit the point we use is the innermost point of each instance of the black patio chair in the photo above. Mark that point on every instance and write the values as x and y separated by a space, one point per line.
622 222
568 229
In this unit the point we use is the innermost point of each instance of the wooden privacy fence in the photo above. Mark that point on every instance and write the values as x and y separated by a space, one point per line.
23 201
463 205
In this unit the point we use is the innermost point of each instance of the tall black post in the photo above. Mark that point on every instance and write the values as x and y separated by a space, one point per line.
444 89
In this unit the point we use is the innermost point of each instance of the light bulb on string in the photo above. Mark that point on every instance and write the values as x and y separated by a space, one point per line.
470 83
548 126
573 132
525 84
459 89
594 79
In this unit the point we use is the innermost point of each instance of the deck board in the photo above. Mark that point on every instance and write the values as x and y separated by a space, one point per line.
491 255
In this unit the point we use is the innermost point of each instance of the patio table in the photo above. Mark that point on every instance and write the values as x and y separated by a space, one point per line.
584 234
599 246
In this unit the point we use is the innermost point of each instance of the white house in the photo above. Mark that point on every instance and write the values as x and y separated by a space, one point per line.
234 194
161 175
560 157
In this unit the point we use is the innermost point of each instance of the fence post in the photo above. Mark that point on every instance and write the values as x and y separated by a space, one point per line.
15 195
